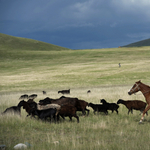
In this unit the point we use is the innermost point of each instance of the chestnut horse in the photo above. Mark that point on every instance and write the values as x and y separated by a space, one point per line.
145 89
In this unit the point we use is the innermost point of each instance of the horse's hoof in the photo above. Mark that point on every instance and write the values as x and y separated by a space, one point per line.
140 122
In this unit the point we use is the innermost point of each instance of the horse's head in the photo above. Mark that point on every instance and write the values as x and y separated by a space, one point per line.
21 103
135 88
102 101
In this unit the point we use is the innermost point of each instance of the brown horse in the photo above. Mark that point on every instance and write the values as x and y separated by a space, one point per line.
145 89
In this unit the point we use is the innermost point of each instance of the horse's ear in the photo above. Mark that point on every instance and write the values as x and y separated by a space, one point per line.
138 81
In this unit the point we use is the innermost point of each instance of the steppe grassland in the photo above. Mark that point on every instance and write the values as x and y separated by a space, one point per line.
82 70
94 131
68 69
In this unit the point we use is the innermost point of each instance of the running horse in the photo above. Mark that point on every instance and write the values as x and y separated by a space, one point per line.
145 89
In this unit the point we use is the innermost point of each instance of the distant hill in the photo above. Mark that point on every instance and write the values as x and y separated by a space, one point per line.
139 43
12 42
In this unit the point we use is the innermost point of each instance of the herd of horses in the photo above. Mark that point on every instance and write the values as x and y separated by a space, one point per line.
138 86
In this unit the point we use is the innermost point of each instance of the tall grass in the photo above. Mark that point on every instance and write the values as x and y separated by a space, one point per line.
27 73
98 131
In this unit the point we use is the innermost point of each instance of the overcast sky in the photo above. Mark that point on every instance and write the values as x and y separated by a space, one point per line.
77 24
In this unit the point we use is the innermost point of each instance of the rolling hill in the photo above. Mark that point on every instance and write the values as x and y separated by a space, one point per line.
8 42
139 43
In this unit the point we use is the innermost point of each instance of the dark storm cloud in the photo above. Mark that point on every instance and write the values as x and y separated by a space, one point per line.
77 24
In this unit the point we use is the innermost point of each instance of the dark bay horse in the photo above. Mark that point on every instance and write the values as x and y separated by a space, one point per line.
145 89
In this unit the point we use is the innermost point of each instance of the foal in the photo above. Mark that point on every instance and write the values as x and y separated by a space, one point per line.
14 109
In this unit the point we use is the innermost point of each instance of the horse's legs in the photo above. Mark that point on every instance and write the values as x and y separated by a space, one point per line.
117 111
87 111
145 111
77 118
131 110
141 112
128 111
70 118
83 112
94 112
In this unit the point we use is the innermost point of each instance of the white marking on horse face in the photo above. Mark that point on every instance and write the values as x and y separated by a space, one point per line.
130 89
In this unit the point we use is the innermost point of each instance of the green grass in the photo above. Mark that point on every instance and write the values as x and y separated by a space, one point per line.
29 71
8 42
98 131
73 68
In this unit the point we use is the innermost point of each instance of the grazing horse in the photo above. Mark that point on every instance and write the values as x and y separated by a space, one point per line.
145 89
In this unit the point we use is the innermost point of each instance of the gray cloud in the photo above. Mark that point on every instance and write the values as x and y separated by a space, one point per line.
77 24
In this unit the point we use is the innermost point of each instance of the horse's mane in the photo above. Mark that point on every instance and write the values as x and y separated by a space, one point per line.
145 85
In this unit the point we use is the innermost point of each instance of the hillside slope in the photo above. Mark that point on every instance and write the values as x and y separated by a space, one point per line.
139 43
8 42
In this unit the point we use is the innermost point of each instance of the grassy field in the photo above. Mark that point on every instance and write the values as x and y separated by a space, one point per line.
8 42
28 72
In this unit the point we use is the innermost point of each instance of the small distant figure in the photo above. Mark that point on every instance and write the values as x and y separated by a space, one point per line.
88 91
119 65
44 92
